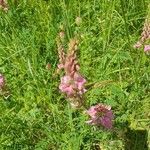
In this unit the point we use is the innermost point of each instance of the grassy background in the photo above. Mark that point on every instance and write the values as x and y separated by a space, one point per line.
35 115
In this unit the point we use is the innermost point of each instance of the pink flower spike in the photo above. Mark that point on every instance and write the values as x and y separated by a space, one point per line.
146 48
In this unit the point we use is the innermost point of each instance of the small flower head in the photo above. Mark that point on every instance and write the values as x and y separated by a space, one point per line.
101 115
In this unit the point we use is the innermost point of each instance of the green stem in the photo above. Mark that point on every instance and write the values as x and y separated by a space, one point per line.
125 21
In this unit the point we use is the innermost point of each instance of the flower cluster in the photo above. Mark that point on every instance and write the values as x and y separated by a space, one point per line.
72 83
145 37
72 86
100 115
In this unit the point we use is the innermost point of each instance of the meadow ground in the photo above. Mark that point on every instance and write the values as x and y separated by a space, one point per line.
34 115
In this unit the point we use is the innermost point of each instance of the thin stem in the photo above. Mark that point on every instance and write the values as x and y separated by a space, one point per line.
125 21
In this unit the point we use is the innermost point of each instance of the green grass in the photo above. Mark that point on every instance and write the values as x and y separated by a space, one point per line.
36 115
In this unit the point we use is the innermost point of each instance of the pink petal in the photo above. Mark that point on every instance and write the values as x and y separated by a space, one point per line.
109 114
106 122
92 112
79 80
69 91
146 48
65 79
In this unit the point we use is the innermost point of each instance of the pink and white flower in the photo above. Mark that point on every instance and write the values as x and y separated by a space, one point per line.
66 85
100 115
72 86
72 83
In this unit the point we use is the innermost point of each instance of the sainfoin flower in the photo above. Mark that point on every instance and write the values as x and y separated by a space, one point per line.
100 115
72 83
145 36
2 81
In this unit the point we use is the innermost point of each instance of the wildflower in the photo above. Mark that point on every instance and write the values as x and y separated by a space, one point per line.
72 83
71 68
145 36
2 81
78 21
101 115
